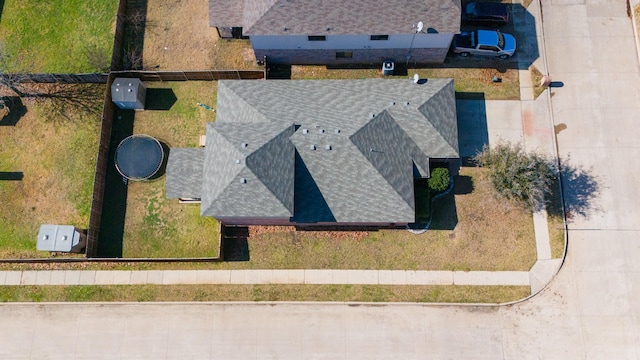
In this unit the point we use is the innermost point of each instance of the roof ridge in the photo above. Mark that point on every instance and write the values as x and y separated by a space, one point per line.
203 210
404 133
247 104
438 127
249 158
259 14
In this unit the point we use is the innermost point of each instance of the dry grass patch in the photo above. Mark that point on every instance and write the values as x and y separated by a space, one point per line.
479 80
365 293
556 236
471 231
233 54
154 225
470 80
56 157
177 35
536 79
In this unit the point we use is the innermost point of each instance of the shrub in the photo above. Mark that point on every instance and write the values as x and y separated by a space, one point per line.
439 180
515 174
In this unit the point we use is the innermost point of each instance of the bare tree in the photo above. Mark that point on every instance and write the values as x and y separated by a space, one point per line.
63 101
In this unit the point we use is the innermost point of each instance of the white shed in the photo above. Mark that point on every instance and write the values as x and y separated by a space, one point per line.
62 238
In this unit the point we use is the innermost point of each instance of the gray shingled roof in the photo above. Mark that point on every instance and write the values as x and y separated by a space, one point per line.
184 173
248 170
356 142
326 17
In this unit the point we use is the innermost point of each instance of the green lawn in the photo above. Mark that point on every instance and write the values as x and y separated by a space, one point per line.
56 156
154 225
367 293
58 36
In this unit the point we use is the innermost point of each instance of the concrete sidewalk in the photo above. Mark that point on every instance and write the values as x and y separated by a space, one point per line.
243 277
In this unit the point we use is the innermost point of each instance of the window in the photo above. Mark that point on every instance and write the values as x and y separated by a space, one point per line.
344 54
379 37
317 38
488 47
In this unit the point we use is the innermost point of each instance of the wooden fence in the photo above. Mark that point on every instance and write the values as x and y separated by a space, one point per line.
100 177
93 78
202 75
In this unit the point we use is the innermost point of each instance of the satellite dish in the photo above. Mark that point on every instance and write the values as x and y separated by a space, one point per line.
420 26
416 78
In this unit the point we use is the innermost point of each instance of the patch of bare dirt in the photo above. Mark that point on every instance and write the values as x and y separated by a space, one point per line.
178 35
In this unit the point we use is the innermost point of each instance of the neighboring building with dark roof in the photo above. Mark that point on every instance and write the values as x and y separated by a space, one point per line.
337 32
342 152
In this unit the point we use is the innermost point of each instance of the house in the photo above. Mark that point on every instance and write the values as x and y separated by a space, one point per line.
335 32
318 152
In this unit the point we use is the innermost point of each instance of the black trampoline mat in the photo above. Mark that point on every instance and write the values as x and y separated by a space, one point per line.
139 157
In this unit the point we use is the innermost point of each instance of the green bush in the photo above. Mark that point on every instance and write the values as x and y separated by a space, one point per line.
439 180
518 175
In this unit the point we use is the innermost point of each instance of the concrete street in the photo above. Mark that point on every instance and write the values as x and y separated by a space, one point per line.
589 311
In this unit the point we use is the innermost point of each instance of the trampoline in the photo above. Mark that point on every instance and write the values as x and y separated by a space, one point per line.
139 157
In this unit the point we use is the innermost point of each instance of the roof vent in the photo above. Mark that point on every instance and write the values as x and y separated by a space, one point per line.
328 147
305 131
312 147
321 131
406 103
392 103
243 180
337 131
238 161
372 115
244 145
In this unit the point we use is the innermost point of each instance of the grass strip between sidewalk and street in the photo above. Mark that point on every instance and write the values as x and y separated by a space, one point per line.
339 293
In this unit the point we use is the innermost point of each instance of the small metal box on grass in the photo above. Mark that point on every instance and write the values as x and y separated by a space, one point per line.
128 93
387 67
61 238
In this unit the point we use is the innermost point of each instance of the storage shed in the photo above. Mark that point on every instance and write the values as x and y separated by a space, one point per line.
62 238
128 93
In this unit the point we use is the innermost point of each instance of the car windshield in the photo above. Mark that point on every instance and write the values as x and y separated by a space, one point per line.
500 40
